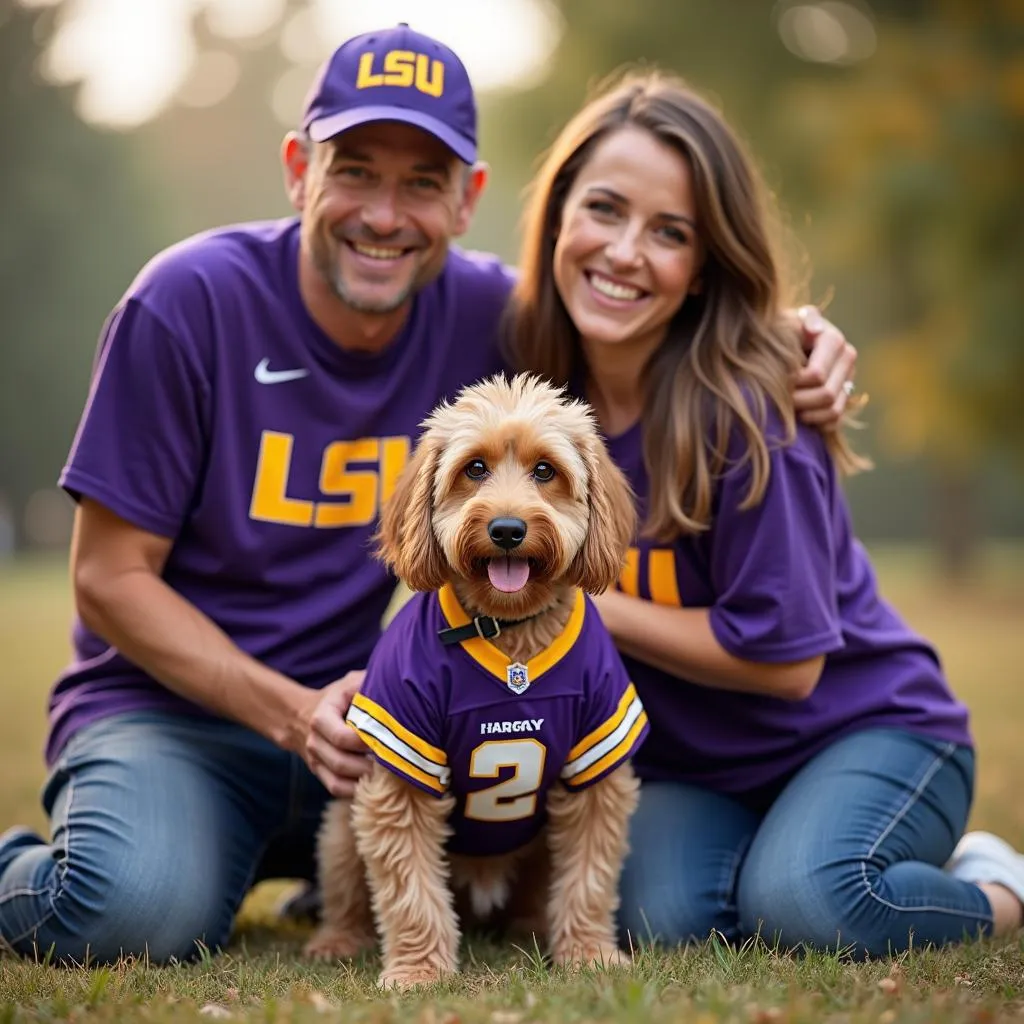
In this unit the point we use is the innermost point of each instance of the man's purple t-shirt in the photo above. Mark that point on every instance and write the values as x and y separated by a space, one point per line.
461 719
784 581
221 416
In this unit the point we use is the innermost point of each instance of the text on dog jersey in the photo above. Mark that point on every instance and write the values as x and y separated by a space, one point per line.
520 725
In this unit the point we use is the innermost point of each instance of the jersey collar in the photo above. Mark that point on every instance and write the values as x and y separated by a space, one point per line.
495 661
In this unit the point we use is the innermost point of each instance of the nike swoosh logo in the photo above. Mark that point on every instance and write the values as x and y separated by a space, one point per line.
265 375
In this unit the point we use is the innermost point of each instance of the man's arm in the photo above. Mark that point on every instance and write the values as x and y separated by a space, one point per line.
119 593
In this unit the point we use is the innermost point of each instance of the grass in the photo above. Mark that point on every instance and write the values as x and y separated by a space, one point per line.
262 977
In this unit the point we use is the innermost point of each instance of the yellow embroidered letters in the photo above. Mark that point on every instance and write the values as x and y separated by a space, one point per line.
404 69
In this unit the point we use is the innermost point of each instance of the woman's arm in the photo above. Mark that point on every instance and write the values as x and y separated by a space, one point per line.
680 641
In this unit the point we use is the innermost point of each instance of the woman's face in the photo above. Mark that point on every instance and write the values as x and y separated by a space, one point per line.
628 252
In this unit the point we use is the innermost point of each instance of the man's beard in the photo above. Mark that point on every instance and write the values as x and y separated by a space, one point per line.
327 262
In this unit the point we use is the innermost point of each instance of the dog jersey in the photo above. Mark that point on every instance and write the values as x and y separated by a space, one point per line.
462 719
223 417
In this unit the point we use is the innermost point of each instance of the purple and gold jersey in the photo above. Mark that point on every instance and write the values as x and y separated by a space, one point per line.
221 415
784 581
461 719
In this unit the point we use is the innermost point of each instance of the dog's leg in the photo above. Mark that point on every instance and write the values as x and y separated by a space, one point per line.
587 833
346 926
400 833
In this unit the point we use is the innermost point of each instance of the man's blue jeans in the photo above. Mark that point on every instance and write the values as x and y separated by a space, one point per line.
161 824
847 856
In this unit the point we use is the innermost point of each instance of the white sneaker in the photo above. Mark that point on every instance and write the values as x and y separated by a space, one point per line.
982 857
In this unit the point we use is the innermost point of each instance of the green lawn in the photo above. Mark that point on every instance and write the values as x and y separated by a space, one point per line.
979 627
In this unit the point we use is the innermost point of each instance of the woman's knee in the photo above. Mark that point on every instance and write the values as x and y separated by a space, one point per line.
671 911
797 904
679 879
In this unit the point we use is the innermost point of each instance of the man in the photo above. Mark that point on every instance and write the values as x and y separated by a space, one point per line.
254 398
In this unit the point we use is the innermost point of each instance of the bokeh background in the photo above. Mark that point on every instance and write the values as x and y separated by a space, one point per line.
891 130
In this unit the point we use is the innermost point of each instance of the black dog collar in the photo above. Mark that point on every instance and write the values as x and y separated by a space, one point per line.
483 626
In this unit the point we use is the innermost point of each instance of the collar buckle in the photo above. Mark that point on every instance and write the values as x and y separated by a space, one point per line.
486 627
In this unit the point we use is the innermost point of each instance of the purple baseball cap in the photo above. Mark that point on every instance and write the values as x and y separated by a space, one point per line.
395 74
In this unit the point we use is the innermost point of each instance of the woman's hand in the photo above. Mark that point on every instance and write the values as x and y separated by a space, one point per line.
823 387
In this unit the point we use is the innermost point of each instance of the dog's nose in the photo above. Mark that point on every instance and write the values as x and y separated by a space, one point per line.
507 532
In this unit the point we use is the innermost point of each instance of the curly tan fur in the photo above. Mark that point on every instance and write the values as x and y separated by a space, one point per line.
400 835
598 563
405 539
588 837
346 923
562 886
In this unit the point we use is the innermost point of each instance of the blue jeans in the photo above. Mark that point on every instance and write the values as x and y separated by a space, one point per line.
161 824
847 856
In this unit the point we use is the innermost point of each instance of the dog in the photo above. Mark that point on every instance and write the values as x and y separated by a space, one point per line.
498 712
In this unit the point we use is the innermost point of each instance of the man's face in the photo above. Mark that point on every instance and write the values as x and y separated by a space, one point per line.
381 203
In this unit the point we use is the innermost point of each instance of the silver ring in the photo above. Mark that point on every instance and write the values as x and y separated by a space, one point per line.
848 387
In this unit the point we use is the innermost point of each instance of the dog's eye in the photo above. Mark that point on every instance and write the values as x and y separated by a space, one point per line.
476 469
543 472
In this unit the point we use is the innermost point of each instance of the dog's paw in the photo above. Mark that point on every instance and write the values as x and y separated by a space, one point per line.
404 978
606 955
329 944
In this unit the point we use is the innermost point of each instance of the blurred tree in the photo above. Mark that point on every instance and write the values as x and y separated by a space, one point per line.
219 162
898 173
77 224
915 165
902 176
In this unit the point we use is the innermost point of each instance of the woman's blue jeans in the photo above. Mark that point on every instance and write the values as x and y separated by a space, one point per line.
161 824
848 856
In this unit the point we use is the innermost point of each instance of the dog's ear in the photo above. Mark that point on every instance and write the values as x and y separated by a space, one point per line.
612 525
405 540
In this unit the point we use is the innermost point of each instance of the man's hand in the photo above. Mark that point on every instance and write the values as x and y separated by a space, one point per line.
824 385
333 750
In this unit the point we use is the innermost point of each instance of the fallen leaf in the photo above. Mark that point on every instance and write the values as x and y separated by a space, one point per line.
320 1002
216 1011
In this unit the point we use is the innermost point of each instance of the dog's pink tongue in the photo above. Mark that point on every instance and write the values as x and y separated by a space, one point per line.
508 574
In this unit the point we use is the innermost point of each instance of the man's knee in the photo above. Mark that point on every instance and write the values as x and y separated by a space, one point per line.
144 911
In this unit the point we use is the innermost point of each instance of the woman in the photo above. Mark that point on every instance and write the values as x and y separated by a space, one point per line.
808 771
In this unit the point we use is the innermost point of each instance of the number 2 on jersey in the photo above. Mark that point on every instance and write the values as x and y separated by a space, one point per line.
515 797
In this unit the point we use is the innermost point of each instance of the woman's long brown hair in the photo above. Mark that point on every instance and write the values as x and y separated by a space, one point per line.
728 352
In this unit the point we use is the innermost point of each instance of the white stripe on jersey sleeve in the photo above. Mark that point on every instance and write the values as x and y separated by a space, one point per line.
610 742
368 724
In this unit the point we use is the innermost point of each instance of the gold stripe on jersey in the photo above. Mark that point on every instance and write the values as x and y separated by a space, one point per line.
610 725
402 766
614 756
397 753
382 715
